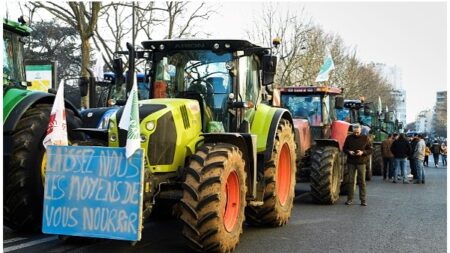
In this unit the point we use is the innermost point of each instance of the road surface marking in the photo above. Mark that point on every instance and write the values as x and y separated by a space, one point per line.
29 244
15 239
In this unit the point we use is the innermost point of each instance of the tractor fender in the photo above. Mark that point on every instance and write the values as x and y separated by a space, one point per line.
327 142
279 114
95 117
19 110
244 143
32 99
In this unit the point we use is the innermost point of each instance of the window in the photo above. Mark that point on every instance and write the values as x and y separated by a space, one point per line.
248 79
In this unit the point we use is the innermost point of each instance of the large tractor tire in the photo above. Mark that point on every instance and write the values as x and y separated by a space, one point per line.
325 175
214 198
24 191
279 177
377 165
369 168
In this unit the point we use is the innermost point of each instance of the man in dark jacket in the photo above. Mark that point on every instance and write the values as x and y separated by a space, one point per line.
401 150
358 148
412 160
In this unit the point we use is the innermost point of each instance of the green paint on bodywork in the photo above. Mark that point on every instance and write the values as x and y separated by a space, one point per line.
186 138
11 99
260 125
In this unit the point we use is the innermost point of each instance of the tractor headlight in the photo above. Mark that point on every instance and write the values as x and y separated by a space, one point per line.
150 125
143 138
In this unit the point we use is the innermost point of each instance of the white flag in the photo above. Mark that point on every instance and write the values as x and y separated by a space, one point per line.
130 121
98 67
326 68
57 126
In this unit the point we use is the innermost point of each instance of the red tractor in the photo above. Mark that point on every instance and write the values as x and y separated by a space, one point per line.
319 136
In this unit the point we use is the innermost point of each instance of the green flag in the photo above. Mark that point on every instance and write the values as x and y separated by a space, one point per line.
130 121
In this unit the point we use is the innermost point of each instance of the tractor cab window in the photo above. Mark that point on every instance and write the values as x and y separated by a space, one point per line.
196 71
364 119
305 106
343 114
327 111
248 79
13 68
198 74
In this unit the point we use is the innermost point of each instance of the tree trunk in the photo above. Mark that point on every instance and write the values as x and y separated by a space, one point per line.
85 58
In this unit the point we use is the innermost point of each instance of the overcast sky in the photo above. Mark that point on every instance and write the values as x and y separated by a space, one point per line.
410 35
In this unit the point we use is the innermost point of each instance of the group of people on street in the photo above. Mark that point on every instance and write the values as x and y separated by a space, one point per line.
396 150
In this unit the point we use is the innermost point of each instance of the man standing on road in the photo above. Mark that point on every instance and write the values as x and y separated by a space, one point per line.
388 157
400 148
412 159
419 155
358 148
435 149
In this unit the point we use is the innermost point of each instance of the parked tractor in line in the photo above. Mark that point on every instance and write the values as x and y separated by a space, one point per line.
25 118
209 142
319 135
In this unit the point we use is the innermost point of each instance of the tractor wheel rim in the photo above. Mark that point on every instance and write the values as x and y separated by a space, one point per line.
284 174
232 190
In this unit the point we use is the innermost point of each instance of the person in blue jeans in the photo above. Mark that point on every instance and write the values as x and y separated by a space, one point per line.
401 150
419 156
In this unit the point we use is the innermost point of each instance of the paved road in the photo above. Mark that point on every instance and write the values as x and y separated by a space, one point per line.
399 218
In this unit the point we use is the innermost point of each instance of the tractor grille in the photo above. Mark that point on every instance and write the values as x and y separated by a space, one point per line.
162 142
144 111
185 116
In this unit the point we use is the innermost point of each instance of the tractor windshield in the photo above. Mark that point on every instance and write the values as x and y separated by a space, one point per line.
343 114
365 119
306 107
195 71
13 69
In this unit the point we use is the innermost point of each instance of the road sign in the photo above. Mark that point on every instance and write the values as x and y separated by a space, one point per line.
93 192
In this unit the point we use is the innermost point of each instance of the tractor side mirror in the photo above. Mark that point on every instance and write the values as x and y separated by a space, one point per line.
339 102
83 82
118 71
269 67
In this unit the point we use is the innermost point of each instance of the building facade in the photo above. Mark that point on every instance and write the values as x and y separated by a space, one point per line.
393 75
440 115
424 120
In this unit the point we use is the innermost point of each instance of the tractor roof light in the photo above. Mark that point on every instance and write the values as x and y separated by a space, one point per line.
161 47
227 45
216 46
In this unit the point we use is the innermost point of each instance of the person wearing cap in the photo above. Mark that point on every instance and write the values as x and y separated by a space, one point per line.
358 148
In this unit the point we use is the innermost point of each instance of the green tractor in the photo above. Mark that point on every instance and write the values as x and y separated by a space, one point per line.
210 145
25 118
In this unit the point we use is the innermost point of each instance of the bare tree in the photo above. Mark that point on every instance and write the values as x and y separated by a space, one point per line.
293 32
83 17
302 51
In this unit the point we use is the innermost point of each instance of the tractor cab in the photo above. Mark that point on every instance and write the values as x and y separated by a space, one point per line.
357 111
221 74
13 67
315 104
